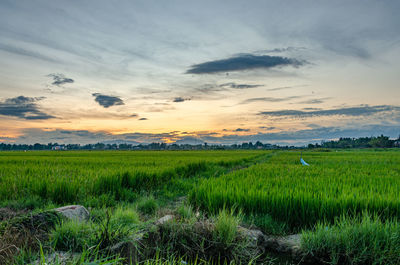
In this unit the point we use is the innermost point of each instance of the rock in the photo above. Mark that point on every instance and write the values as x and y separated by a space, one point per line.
59 257
165 219
284 244
254 237
74 212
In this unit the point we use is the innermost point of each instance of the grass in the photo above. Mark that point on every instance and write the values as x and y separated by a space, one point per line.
78 176
346 203
360 240
336 183
226 227
147 205
72 236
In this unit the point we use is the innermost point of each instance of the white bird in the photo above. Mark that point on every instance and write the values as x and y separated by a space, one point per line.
304 163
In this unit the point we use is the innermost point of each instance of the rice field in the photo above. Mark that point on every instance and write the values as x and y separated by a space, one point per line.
69 177
335 184
346 203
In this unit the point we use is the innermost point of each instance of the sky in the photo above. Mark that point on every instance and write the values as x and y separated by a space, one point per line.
222 72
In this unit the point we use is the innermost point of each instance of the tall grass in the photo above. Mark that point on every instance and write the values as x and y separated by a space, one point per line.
336 183
67 177
359 240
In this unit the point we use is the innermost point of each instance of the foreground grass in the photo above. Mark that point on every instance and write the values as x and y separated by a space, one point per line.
361 240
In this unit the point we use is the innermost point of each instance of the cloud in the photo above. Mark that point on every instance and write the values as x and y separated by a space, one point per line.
24 108
284 88
289 137
242 130
238 86
267 128
268 99
179 99
280 50
60 79
143 119
23 52
363 110
314 101
243 62
107 101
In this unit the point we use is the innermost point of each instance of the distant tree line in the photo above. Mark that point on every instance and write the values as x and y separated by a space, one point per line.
362 142
125 146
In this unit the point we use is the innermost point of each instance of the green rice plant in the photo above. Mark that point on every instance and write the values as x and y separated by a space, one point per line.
124 217
359 240
186 211
147 205
75 176
226 227
336 183
267 224
72 236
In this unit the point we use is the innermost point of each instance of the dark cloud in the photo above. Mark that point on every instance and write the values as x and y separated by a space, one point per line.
279 88
238 86
242 130
268 99
24 108
60 79
311 109
280 50
267 128
314 101
284 88
363 110
143 119
179 99
190 140
290 137
134 115
243 62
107 101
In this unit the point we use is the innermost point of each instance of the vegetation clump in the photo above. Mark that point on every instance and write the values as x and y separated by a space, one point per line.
360 240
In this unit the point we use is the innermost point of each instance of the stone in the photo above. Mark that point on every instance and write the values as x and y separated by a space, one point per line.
284 244
255 237
165 219
58 257
74 212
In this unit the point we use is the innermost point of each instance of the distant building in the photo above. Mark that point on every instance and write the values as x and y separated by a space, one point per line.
58 147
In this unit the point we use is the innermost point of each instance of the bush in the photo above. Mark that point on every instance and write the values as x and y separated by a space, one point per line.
125 218
72 236
147 205
361 240
186 211
226 224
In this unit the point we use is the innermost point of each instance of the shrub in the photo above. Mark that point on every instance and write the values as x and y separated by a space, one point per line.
124 217
72 236
147 205
226 227
186 211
